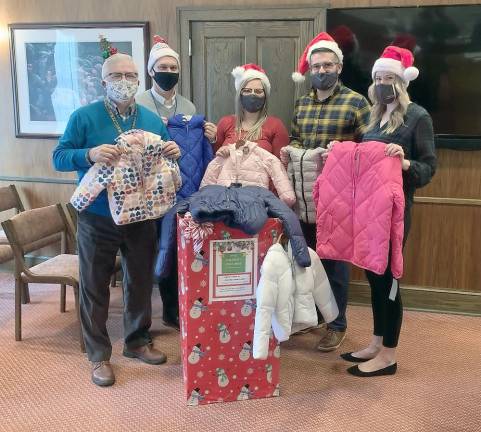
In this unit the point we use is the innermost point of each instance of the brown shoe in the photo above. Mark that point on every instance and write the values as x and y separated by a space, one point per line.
147 354
331 340
310 329
102 373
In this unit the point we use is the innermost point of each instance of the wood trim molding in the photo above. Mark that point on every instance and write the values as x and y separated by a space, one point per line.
448 201
424 299
37 180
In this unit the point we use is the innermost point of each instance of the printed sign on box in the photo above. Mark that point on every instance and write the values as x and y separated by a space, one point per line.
217 286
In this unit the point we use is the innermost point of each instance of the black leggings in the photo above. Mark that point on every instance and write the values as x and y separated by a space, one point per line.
388 314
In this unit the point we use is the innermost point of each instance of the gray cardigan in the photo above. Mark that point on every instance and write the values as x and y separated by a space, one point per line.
182 105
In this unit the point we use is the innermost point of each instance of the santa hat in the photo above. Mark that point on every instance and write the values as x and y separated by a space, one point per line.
398 61
160 49
248 72
322 40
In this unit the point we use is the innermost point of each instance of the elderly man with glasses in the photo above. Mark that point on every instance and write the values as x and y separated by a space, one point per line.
329 112
88 138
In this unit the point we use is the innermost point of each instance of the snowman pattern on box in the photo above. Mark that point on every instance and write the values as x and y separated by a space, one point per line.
245 352
199 262
197 309
248 306
196 354
195 397
276 391
222 378
244 393
224 335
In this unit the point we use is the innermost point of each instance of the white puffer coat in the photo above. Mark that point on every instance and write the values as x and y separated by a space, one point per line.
303 169
287 295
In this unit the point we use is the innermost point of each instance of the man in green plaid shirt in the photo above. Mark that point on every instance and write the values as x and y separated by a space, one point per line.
329 112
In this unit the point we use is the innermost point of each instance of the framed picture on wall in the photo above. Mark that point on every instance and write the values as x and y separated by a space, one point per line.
56 68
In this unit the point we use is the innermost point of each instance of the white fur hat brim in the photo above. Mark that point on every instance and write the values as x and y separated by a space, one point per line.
333 46
395 67
242 76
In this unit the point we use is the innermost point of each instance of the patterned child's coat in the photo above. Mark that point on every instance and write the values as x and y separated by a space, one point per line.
141 184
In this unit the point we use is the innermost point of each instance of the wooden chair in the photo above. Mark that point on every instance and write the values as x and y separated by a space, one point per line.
73 215
10 200
30 227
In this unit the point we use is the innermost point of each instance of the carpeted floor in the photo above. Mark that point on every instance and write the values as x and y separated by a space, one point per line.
45 382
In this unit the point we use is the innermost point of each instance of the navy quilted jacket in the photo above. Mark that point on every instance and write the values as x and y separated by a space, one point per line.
246 208
195 149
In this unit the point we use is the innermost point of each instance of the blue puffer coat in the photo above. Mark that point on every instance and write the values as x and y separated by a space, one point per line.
246 208
195 149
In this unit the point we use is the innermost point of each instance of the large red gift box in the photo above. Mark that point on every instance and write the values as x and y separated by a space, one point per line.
219 268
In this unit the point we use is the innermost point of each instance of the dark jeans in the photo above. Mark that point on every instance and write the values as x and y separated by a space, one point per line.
169 293
338 275
99 239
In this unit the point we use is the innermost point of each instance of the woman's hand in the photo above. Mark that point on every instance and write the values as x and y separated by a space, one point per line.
210 131
393 150
223 152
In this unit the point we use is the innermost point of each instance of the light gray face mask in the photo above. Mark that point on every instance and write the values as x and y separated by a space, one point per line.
121 91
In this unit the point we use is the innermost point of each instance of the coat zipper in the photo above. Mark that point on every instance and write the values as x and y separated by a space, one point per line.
302 185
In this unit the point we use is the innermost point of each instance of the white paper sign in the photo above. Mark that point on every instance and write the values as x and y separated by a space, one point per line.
232 269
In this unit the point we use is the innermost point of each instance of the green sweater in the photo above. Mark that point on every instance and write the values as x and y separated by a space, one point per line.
91 126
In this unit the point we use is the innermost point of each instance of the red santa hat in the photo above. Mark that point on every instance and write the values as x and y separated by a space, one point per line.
160 49
322 40
398 61
248 72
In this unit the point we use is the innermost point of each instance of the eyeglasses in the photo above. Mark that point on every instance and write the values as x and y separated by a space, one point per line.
249 91
129 76
327 66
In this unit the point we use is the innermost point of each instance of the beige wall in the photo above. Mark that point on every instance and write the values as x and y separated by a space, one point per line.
458 176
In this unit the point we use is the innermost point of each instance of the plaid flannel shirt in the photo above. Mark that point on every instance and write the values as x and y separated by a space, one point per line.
340 117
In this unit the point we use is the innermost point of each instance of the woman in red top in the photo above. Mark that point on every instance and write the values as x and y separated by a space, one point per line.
251 122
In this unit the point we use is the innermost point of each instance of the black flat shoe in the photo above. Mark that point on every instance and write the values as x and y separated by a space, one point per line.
388 370
350 358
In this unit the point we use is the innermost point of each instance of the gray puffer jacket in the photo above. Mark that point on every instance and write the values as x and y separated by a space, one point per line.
304 167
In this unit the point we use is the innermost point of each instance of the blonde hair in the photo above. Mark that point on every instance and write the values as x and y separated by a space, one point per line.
254 133
396 119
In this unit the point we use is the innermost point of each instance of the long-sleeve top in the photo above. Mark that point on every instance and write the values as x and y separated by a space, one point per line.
416 137
273 137
342 117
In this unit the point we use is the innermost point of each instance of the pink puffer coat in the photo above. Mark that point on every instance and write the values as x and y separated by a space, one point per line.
251 165
360 207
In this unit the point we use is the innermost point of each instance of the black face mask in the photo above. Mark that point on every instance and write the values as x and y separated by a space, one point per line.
252 103
166 80
324 81
385 93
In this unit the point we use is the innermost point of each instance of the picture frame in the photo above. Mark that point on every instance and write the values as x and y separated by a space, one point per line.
56 69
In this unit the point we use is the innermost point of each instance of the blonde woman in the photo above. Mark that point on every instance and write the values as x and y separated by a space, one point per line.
407 130
251 121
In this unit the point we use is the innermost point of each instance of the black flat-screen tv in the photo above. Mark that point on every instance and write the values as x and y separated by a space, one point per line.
446 43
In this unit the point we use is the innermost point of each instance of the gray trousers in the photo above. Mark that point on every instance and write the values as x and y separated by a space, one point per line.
99 239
